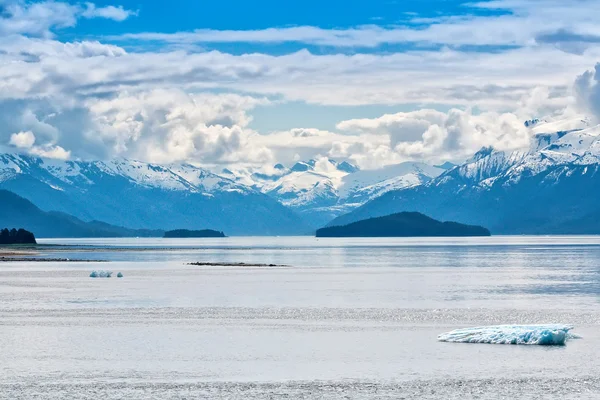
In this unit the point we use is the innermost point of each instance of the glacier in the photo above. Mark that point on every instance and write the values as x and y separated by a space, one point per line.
544 335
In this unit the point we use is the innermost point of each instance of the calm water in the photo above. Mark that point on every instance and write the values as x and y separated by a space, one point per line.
346 317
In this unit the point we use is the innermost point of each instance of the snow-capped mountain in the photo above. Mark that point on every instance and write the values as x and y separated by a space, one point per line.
321 190
550 187
142 195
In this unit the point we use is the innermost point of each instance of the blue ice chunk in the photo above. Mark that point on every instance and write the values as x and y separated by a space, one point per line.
101 274
545 335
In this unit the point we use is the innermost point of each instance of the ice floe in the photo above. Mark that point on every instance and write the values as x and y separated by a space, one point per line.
101 274
546 335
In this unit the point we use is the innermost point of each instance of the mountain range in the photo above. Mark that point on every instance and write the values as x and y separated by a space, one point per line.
322 190
16 211
140 195
549 187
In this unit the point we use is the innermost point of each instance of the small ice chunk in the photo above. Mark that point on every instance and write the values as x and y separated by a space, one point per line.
545 335
119 275
101 274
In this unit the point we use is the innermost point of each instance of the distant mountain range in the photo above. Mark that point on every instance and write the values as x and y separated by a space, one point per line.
550 188
140 195
321 191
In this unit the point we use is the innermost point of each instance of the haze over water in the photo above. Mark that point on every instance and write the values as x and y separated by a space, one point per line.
345 317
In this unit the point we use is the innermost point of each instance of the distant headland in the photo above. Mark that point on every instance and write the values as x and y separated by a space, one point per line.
404 224
185 233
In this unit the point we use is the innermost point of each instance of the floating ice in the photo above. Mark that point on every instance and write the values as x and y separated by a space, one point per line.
119 275
101 274
545 335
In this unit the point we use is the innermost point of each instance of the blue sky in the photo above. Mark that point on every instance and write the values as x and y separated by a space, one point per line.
256 83
183 15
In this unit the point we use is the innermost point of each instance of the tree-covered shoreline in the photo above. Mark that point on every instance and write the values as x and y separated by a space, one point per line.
16 236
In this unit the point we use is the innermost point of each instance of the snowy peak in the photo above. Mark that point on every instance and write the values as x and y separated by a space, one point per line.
543 140
184 177
345 166
482 153
482 167
302 166
418 172
446 165
531 122
324 188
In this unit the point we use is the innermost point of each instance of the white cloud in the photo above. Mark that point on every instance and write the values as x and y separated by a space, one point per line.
98 101
488 80
431 135
41 18
56 152
171 125
22 140
109 12
587 89
95 100
25 141
524 23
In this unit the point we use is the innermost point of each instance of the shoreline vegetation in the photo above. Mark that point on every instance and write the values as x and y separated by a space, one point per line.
16 236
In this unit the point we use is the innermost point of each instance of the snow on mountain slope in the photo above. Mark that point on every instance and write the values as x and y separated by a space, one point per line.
576 147
81 173
302 188
141 195
322 189
362 186
550 187
571 140
362 179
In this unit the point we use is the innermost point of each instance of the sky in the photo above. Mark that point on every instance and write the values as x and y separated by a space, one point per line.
234 83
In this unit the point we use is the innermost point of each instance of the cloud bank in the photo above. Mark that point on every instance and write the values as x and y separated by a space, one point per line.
101 99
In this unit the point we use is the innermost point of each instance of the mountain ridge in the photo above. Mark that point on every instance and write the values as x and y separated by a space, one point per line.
541 190
136 195
19 212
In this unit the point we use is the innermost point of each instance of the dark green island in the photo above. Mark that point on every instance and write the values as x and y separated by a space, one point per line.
404 224
185 233
14 236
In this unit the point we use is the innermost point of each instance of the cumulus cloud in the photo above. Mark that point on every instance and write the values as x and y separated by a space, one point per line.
165 125
587 89
22 140
92 99
56 152
432 135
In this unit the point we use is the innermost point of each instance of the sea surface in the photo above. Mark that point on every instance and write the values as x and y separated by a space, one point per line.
342 318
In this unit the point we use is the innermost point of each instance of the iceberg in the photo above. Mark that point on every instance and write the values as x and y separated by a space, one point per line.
101 274
545 335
